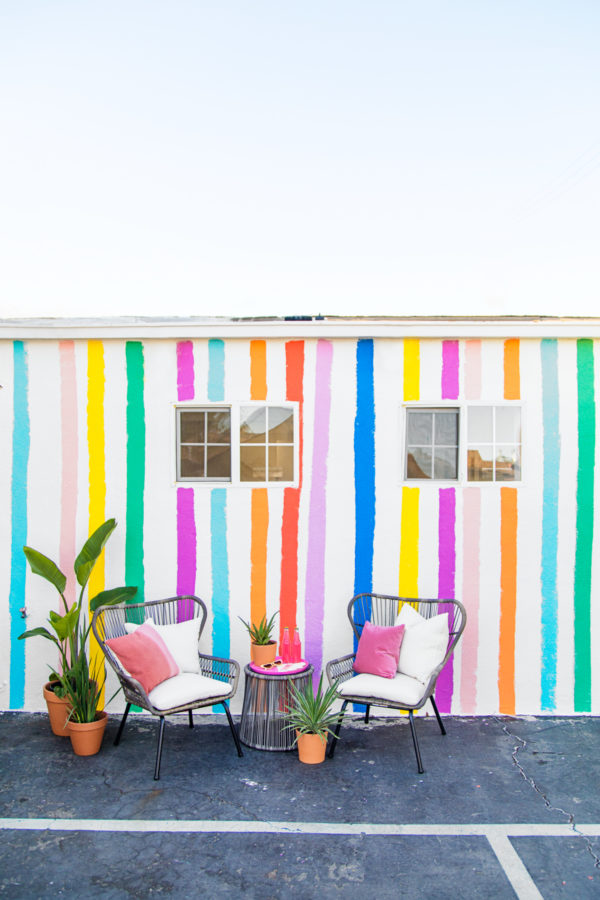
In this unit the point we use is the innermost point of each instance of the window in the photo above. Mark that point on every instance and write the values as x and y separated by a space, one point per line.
263 453
432 443
494 443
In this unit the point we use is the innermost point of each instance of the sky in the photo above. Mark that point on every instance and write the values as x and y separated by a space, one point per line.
329 157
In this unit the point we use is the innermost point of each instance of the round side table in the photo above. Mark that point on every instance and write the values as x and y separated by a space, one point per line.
266 698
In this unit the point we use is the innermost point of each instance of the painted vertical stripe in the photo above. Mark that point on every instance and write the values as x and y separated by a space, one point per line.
408 581
136 468
450 366
508 599
97 475
586 428
473 370
185 370
471 499
186 522
551 464
512 376
220 572
69 464
216 370
446 584
259 514
364 468
258 370
412 369
317 520
20 463
288 598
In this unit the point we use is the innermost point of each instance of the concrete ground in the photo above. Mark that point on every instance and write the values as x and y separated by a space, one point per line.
505 808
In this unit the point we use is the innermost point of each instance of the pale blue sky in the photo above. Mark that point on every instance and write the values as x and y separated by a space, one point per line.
256 158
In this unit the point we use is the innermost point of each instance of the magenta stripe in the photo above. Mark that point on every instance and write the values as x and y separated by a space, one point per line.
446 584
449 370
69 460
185 370
315 562
470 591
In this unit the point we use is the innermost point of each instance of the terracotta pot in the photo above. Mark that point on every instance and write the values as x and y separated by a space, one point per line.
311 748
263 653
86 737
58 710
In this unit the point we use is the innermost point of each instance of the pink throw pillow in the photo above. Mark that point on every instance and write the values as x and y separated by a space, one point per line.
378 650
145 656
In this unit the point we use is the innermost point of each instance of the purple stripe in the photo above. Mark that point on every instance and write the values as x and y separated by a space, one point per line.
185 370
449 370
446 585
186 548
315 562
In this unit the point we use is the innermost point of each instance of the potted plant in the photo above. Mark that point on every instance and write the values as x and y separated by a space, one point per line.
311 715
262 647
69 632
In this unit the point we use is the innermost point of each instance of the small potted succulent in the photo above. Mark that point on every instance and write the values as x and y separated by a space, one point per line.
311 715
263 648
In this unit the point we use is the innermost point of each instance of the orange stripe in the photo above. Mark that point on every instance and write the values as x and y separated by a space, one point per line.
258 554
258 370
508 599
512 374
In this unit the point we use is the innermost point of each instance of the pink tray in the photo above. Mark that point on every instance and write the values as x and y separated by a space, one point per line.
281 668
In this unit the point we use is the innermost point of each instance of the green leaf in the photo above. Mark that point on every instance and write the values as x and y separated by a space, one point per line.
114 595
38 632
65 625
91 550
41 565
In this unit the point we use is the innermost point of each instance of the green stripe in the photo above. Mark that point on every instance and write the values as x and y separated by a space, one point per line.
586 420
136 468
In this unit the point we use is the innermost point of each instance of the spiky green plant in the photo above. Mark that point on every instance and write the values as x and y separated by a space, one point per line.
263 632
310 712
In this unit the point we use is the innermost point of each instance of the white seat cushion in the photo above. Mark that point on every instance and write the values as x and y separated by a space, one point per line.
399 689
186 688
424 644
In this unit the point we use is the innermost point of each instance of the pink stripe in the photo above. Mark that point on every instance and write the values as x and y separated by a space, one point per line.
473 370
69 444
446 584
185 370
449 370
315 562
471 538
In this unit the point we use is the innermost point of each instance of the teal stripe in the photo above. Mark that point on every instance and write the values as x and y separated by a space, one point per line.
586 421
551 447
221 639
136 468
216 370
20 461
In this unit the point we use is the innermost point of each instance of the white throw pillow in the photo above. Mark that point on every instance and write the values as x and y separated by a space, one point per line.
424 645
181 640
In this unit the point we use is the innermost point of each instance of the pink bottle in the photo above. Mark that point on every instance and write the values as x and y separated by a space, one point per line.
296 647
285 650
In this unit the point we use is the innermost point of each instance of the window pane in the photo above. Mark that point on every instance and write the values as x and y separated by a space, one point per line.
192 427
253 425
192 462
445 463
446 428
508 464
508 425
281 425
480 465
419 427
253 464
218 427
479 425
281 463
418 462
218 462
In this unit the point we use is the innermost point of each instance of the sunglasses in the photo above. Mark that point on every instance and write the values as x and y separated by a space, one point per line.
272 665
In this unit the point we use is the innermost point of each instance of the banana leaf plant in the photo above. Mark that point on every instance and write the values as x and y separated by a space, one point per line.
69 628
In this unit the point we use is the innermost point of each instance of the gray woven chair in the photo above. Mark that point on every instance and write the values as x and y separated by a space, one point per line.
215 685
403 692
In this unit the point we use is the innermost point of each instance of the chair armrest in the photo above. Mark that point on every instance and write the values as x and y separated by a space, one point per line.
220 668
340 669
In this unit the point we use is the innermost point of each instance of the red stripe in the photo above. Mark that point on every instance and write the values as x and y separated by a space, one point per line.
288 599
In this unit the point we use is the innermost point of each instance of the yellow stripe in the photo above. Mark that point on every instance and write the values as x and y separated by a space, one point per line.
412 369
408 582
97 476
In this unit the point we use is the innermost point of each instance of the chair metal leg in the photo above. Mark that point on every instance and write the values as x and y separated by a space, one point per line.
233 730
415 741
367 708
437 715
122 725
191 718
333 740
161 732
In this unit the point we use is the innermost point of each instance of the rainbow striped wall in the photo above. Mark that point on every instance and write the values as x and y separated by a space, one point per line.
88 432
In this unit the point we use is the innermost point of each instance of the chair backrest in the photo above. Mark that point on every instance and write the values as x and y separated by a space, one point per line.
109 621
382 609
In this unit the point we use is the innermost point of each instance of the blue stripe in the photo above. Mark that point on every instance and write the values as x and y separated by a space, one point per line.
216 370
20 461
220 574
551 443
364 468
